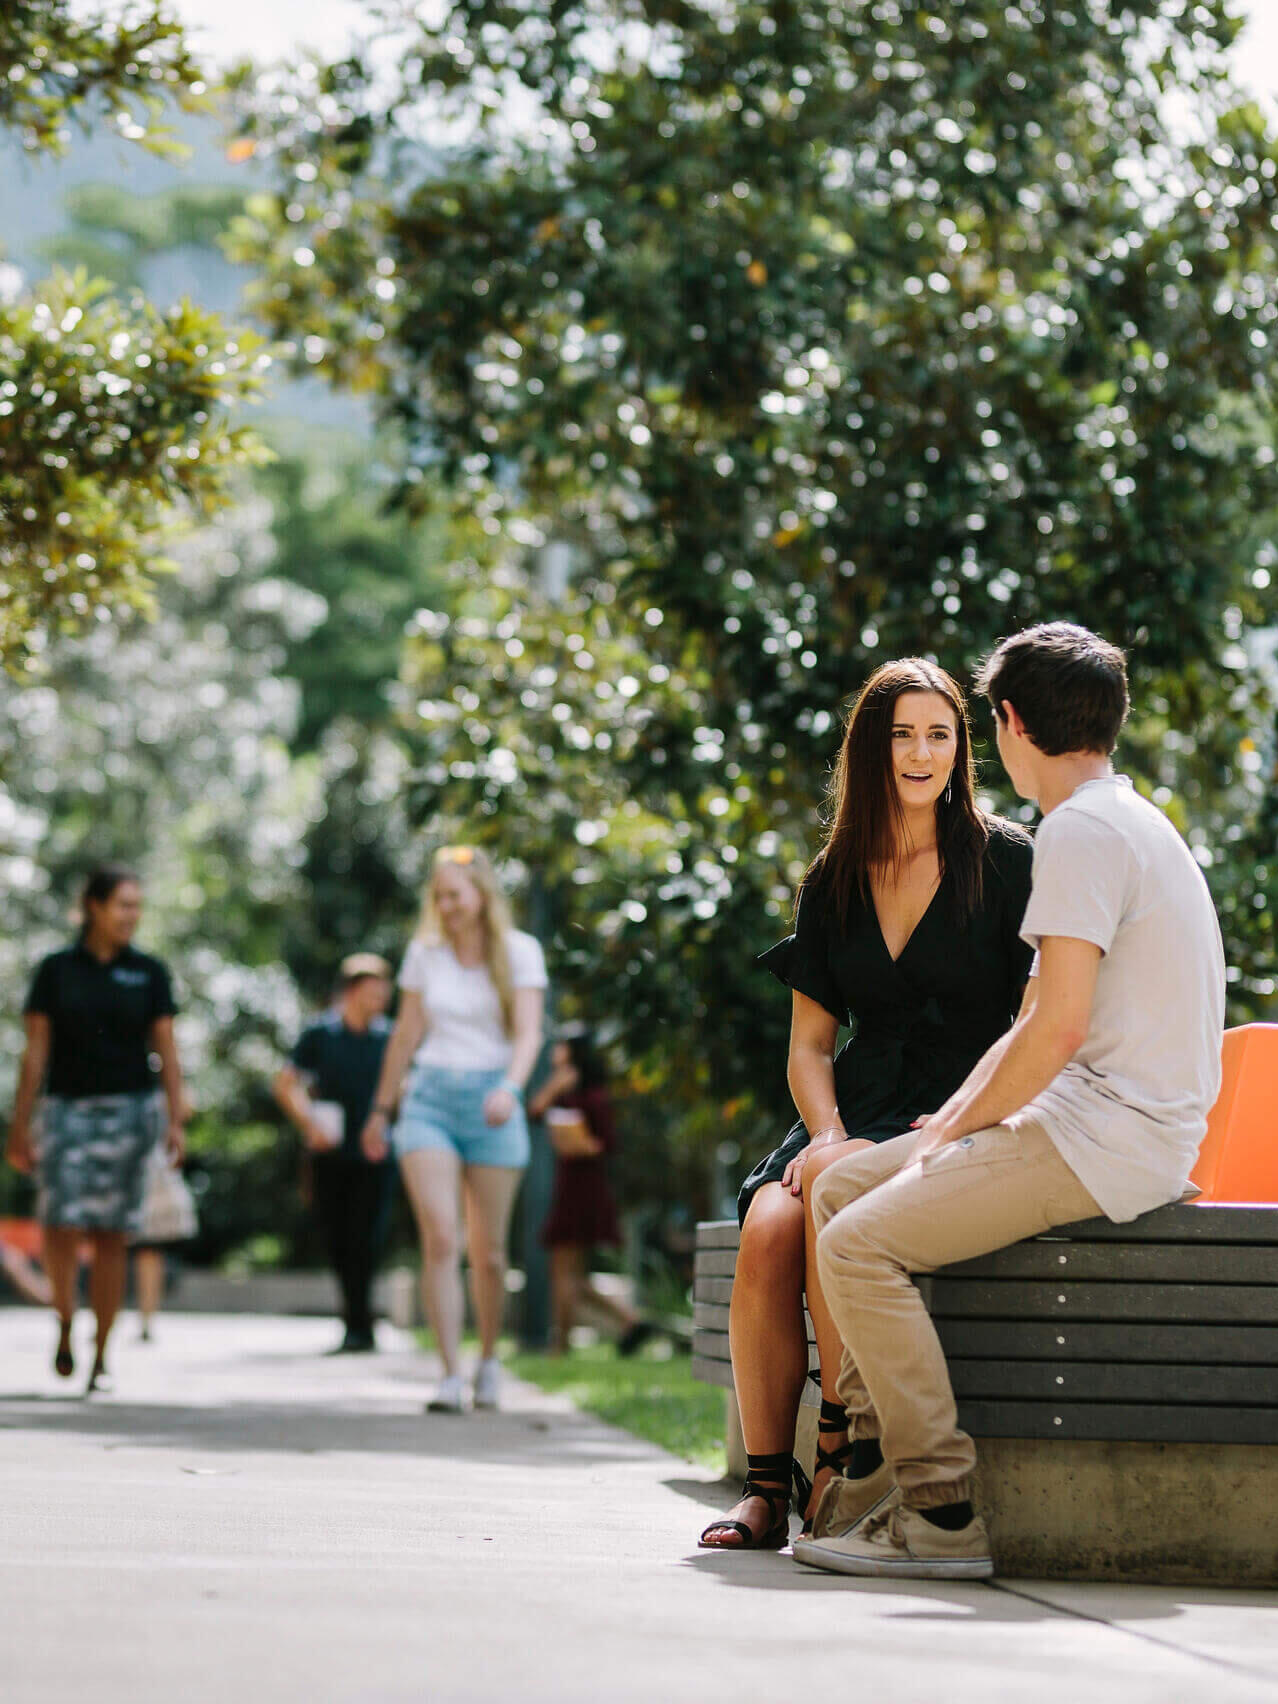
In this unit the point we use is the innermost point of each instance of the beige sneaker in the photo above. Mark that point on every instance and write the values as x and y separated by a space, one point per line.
846 1502
897 1543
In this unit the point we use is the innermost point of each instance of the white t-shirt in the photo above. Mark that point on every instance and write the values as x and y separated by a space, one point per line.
463 1011
1129 1111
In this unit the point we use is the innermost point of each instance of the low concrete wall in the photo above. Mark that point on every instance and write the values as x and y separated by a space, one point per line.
1156 1514
1202 1514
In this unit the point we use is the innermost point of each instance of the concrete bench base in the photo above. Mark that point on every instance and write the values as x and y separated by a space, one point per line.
1143 1513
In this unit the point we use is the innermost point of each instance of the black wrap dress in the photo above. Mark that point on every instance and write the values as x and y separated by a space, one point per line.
920 1022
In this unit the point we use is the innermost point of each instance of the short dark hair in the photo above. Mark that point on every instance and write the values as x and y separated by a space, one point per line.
1069 686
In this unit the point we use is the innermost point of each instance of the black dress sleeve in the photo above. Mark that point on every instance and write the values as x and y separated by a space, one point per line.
42 994
1012 861
802 960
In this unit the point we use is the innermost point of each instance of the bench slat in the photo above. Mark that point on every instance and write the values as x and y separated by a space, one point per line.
1153 1263
712 1372
1176 1224
1095 1381
1034 1340
1180 1224
1029 1299
714 1263
1119 1422
1090 1340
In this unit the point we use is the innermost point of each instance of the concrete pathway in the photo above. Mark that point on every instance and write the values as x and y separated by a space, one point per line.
246 1521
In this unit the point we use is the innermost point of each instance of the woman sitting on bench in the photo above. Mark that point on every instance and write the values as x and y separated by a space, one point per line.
907 926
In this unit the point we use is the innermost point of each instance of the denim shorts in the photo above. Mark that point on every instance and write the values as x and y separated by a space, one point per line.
445 1109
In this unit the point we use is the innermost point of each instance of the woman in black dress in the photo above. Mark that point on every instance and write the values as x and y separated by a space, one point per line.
583 1209
96 1015
907 928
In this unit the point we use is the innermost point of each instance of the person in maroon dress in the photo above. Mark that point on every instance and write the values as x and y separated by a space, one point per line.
583 1210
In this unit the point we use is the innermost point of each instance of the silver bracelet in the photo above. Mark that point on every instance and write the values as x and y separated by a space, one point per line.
843 1135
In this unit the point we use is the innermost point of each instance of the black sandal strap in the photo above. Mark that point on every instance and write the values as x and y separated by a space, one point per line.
768 1477
833 1458
834 1416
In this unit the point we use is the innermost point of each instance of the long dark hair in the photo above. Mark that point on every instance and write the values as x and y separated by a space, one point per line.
866 820
100 883
589 1066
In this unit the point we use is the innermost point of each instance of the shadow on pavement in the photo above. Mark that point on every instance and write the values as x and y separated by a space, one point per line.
521 1439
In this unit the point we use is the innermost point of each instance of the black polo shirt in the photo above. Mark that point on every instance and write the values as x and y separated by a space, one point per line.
101 1016
343 1065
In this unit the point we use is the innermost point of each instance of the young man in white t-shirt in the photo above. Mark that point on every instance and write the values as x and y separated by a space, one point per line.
1094 1102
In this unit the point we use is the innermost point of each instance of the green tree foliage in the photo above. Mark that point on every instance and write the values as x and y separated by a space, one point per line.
817 335
62 64
114 416
264 806
111 416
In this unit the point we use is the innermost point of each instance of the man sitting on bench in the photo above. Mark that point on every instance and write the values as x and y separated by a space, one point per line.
1095 1102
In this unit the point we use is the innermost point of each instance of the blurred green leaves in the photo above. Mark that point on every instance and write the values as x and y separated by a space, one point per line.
115 416
808 336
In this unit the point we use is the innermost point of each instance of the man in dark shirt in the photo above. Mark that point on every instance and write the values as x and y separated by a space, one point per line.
327 1091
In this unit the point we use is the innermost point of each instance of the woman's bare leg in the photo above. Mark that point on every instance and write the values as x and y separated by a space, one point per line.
567 1263
431 1177
829 1343
617 1311
490 1196
106 1284
148 1278
768 1338
61 1245
61 1254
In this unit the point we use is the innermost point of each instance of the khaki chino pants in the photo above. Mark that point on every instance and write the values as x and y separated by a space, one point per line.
879 1220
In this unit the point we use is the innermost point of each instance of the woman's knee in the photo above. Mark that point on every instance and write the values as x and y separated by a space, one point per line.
818 1164
439 1238
771 1246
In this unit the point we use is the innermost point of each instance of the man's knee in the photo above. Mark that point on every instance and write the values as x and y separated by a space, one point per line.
843 1248
843 1179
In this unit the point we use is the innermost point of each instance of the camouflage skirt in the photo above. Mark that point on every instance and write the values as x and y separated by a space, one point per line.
92 1156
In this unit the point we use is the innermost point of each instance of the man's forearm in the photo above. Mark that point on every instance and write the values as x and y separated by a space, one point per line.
1032 1054
978 1078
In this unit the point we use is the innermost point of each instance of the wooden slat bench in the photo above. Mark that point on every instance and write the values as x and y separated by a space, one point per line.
1099 1365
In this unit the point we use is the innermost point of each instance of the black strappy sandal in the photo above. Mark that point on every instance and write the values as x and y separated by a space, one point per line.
770 1478
834 1418
64 1360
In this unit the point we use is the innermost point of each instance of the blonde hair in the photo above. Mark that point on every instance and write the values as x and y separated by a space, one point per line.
495 920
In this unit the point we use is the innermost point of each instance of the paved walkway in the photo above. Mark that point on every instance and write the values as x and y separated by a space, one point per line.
246 1521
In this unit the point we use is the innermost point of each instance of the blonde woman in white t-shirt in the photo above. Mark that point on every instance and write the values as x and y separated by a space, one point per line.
472 989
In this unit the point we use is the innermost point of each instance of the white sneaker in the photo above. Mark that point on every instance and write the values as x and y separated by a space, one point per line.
448 1398
898 1543
487 1383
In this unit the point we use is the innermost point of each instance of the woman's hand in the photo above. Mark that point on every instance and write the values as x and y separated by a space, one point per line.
20 1151
499 1105
175 1142
372 1138
792 1176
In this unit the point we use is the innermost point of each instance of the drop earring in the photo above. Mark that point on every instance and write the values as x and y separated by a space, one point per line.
948 786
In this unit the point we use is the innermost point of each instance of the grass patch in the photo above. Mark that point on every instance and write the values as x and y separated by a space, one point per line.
657 1400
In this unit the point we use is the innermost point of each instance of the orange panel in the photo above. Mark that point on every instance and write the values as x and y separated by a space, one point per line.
1238 1161
22 1234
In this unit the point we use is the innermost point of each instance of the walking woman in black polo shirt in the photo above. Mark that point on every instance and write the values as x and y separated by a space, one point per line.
95 1015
